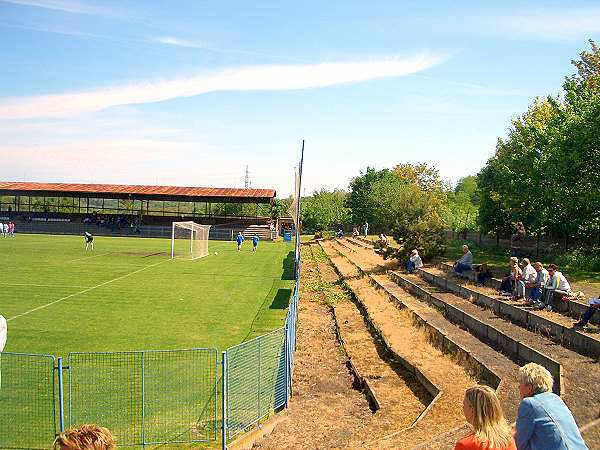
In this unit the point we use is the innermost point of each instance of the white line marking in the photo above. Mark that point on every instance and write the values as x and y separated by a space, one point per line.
85 290
43 285
88 257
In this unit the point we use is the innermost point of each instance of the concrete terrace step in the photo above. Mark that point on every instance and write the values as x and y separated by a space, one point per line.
551 323
578 371
573 308
444 379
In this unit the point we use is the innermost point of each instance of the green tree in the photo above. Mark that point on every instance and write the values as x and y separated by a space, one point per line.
358 200
324 209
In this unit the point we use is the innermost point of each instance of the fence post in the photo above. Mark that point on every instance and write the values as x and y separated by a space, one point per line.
224 400
286 358
143 399
61 397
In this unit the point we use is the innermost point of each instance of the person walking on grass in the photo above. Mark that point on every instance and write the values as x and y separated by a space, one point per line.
366 228
89 241
239 239
255 240
544 422
491 431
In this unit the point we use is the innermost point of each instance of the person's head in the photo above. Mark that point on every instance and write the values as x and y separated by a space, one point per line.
414 252
483 267
239 233
538 266
513 261
483 411
534 379
465 248
552 268
525 262
85 437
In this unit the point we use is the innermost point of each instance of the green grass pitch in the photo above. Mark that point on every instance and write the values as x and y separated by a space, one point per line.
127 294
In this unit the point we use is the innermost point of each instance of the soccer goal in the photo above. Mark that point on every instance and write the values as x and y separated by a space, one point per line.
189 240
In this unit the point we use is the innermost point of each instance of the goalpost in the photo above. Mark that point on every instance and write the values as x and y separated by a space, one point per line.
189 240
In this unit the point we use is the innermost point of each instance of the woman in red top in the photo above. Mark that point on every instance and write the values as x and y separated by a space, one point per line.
490 430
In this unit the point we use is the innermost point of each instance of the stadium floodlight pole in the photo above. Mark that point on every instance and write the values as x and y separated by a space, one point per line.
297 249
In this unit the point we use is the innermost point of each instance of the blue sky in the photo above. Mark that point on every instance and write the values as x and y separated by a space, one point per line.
190 92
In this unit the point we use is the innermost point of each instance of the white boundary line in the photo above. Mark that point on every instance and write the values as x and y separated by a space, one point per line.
43 285
87 257
85 290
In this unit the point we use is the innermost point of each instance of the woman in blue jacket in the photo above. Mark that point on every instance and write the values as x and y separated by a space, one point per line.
544 422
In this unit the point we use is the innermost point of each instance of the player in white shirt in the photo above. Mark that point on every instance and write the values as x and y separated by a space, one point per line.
2 229
5 230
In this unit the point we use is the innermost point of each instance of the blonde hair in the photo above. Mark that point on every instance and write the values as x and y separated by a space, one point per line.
537 377
490 426
85 437
514 260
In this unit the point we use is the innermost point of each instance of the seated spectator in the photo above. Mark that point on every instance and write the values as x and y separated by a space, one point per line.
507 285
414 261
543 420
482 410
340 233
483 273
594 306
535 292
85 437
557 283
355 232
525 280
465 262
383 241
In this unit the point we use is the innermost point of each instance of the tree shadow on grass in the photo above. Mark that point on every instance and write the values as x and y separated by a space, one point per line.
288 267
281 299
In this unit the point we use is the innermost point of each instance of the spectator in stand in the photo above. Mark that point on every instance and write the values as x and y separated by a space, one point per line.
414 261
355 232
340 233
594 306
383 241
483 274
491 431
525 280
507 285
85 437
543 422
557 283
465 262
516 240
541 278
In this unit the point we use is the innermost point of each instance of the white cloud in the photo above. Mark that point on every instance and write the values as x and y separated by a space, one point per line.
178 42
74 7
267 78
549 25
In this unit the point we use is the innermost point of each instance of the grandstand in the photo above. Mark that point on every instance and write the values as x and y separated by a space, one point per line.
145 211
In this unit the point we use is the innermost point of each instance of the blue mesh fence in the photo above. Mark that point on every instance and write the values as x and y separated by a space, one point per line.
27 401
149 397
256 380
146 397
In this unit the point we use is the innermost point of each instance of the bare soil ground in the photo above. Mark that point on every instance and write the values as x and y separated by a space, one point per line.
325 411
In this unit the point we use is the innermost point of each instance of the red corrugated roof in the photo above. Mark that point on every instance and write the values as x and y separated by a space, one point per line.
136 189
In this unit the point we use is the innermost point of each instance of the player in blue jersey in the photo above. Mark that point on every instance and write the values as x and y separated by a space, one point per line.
239 239
255 240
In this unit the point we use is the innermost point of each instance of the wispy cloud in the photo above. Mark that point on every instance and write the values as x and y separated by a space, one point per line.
552 24
74 7
258 78
178 42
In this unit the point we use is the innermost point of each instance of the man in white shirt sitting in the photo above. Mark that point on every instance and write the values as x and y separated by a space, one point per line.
557 283
414 262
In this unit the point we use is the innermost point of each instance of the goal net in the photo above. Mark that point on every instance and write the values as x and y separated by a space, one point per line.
189 240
